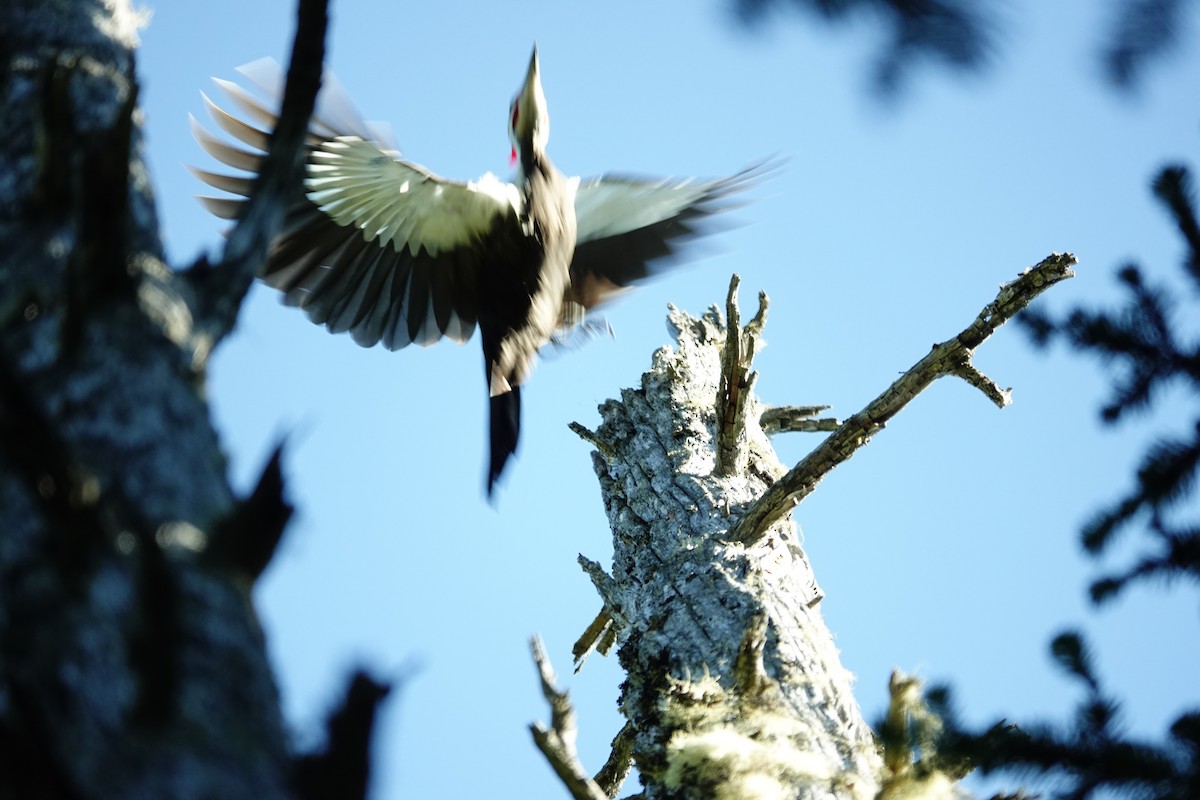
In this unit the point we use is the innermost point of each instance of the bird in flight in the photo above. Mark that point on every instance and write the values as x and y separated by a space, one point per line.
380 247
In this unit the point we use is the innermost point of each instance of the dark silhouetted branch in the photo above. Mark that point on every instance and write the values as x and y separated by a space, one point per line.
221 287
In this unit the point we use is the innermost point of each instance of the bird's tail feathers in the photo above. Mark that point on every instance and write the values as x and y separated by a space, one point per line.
505 431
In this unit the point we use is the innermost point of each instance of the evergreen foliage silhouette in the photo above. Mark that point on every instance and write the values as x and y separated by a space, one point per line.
1144 344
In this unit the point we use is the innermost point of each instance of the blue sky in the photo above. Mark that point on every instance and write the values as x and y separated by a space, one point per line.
947 547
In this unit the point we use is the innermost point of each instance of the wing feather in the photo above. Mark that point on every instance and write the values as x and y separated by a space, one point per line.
299 256
221 207
228 155
362 186
246 134
335 113
368 327
373 245
395 326
629 228
335 283
255 108
419 317
226 183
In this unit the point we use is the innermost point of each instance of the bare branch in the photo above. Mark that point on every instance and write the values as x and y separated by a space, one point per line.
222 288
737 381
557 742
620 761
951 357
342 768
600 635
589 436
796 419
969 373
730 397
755 326
604 583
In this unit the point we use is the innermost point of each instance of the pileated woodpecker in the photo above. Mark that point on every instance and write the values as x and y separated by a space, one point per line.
378 246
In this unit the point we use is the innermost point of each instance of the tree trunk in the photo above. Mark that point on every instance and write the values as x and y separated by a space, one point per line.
131 660
735 688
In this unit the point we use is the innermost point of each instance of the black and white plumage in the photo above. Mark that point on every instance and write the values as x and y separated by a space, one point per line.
379 247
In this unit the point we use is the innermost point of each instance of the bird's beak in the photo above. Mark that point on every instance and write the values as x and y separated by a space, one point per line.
533 79
531 127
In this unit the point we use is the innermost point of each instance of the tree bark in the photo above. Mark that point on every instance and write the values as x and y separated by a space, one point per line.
132 664
734 685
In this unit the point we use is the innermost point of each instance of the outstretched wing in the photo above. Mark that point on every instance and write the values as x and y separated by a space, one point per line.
628 228
372 244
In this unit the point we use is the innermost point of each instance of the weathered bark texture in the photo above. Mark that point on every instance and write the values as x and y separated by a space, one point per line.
735 687
131 661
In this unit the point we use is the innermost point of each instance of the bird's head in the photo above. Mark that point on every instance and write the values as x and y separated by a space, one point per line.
528 119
